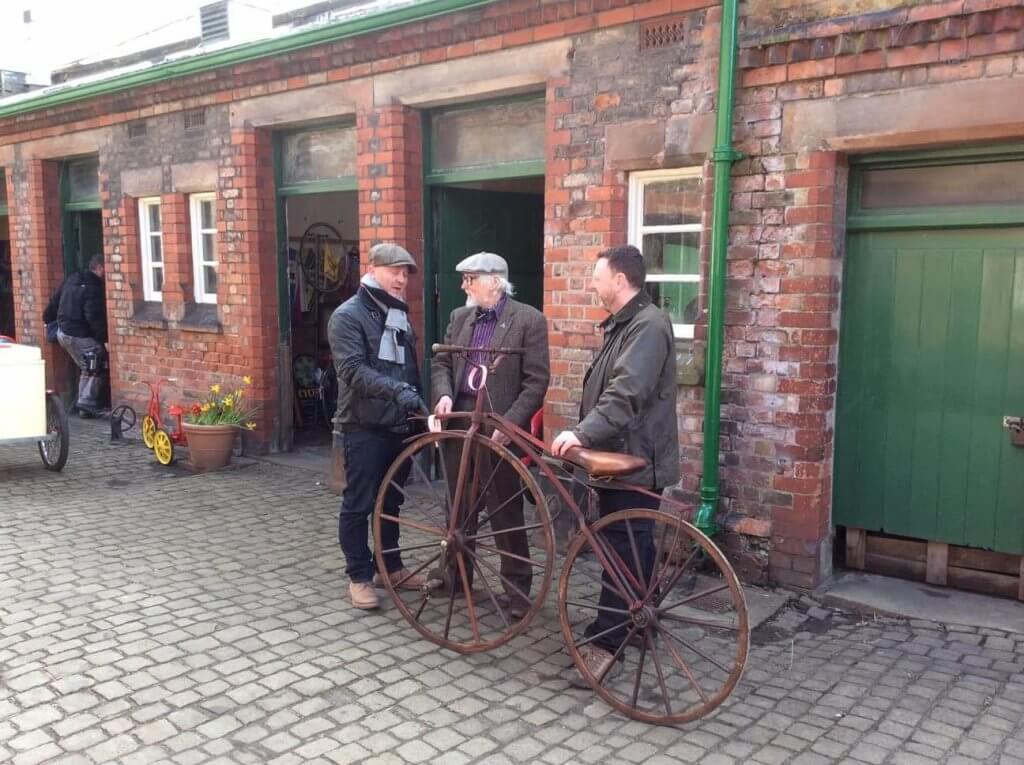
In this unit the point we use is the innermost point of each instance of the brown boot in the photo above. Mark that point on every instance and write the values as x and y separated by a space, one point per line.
363 595
599 662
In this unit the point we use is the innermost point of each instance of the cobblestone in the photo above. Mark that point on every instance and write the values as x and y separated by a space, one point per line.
152 616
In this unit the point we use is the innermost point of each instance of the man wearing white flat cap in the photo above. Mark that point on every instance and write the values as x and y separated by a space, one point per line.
492 318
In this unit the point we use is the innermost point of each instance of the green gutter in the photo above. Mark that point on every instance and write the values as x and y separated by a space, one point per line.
243 53
723 156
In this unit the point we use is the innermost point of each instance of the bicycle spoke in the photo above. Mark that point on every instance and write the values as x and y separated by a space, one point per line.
490 592
430 484
469 596
677 575
639 673
410 548
451 609
691 598
513 556
413 525
502 506
686 670
698 622
657 560
636 554
504 579
661 674
504 531
422 566
695 650
618 574
482 494
617 654
592 638
423 604
596 607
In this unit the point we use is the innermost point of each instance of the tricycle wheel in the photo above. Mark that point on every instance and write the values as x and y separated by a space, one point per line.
163 447
148 431
656 593
54 450
475 525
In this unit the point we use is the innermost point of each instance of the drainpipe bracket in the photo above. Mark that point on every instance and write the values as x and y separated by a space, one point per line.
727 154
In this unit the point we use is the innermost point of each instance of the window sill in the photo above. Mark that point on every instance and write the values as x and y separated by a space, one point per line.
149 314
200 317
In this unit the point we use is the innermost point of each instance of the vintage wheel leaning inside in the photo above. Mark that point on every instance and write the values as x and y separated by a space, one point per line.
148 430
54 450
487 573
678 628
163 447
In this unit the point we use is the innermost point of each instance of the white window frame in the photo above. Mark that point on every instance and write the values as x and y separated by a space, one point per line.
637 182
146 237
198 255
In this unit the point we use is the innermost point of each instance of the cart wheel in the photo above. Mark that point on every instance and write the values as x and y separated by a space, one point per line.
55 452
148 430
163 447
673 606
479 567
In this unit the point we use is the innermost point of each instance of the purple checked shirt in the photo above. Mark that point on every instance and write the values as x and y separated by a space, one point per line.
484 324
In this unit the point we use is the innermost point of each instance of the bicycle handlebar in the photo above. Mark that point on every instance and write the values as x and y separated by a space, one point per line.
441 348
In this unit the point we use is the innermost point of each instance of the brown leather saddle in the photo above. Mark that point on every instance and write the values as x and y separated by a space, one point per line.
604 464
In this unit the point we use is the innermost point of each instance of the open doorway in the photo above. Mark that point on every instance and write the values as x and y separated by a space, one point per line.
6 280
504 216
323 272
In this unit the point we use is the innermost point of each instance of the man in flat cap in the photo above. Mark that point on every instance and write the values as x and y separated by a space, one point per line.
492 318
374 349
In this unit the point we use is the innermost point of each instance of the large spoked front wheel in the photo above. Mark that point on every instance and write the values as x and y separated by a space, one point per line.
54 449
659 596
475 526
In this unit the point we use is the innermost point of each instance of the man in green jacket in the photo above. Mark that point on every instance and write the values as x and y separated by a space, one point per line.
628 406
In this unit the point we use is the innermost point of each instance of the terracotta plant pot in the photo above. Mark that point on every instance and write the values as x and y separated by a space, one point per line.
210 446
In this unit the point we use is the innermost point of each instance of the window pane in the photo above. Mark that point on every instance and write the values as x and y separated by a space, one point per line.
992 183
158 280
319 155
153 211
677 253
673 202
156 249
210 280
488 135
84 179
206 213
680 300
208 253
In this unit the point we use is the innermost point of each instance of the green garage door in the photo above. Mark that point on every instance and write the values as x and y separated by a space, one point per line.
932 359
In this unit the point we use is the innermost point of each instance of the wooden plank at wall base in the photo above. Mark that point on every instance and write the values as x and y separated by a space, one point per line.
937 563
904 568
987 582
915 550
855 547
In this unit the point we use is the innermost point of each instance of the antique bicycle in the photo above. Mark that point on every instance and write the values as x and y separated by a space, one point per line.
679 604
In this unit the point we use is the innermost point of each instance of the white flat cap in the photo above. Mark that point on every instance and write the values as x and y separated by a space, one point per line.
483 263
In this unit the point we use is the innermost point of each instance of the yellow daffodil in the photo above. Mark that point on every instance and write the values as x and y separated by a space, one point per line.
228 402
250 426
215 389
248 381
205 407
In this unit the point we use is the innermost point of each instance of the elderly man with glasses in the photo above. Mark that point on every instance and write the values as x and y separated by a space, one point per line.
492 318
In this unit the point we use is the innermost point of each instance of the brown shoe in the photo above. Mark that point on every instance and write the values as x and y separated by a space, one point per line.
597 661
363 596
402 579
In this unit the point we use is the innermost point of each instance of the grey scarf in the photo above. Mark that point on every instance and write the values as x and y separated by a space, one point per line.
396 320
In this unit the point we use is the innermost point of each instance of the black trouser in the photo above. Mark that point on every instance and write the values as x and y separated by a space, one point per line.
610 501
515 574
368 455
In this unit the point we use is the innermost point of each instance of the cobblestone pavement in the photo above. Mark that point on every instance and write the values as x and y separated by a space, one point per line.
147 615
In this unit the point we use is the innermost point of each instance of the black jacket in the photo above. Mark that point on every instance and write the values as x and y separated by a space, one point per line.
79 307
629 393
372 393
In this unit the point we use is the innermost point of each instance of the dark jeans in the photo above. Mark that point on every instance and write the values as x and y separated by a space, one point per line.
90 381
368 455
610 501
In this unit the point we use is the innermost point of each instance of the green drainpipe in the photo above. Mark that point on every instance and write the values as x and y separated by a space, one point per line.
723 157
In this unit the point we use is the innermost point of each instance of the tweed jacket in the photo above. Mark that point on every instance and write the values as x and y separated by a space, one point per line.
517 387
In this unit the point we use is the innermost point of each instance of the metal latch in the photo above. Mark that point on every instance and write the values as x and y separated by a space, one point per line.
1016 427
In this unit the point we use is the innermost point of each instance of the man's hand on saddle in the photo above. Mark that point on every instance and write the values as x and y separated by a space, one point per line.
563 442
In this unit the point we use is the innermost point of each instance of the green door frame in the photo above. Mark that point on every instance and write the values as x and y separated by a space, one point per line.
67 212
498 171
859 219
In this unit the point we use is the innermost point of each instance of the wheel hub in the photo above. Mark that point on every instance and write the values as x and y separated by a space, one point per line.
645 617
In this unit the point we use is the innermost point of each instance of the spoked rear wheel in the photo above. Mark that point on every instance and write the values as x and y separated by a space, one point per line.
148 431
670 611
54 450
488 571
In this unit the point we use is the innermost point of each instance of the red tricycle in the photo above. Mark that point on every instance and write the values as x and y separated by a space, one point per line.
154 433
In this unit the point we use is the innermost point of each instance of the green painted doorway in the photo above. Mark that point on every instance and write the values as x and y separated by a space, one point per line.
932 353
